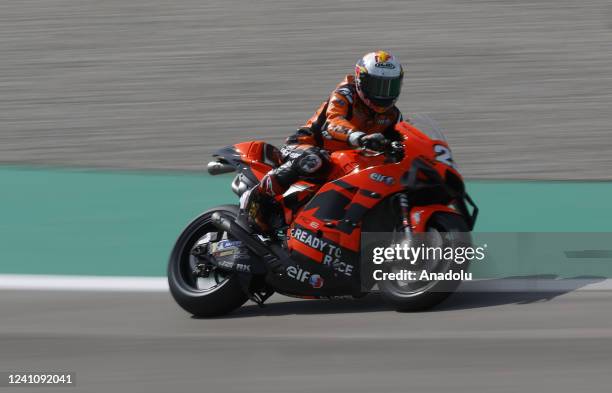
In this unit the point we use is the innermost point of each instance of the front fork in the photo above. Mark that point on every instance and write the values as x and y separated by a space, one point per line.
404 206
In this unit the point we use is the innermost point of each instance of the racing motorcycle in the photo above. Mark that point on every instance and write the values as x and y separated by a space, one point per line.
412 186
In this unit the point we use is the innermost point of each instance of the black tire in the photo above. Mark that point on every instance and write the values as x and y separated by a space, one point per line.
440 290
219 300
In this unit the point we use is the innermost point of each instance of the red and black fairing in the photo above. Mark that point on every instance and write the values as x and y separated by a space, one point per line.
336 213
324 231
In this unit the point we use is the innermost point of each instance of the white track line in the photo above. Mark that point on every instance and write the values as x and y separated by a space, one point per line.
536 285
82 283
159 284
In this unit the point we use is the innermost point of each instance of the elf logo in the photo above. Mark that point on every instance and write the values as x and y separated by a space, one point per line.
388 180
315 280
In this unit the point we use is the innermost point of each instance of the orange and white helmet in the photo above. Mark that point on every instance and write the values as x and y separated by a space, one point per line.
378 77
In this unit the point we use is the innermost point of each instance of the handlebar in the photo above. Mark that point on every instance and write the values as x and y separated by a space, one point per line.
369 152
392 149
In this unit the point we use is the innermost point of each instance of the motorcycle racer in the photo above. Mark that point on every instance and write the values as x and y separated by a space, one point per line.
360 112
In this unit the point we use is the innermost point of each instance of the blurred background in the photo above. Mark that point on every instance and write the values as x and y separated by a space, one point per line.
523 88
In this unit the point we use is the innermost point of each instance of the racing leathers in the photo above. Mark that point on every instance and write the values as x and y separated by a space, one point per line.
342 122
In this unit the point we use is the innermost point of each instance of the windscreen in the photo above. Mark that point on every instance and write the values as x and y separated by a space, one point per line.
427 125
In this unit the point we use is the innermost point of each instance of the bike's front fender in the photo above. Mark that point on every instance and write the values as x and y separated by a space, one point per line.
420 215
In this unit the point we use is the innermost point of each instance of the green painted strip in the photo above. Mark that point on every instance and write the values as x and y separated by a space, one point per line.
537 206
121 223
97 223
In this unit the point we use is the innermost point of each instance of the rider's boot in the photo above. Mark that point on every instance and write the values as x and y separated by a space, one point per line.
262 211
252 206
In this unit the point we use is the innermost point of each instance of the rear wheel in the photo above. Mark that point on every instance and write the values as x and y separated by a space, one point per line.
446 230
217 293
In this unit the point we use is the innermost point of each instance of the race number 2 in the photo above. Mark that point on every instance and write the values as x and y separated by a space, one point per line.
444 155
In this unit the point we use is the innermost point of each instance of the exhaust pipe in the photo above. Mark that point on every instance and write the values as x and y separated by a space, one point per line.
227 225
219 168
269 257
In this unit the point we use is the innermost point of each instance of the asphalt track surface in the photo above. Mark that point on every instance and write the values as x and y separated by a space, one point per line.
472 343
523 87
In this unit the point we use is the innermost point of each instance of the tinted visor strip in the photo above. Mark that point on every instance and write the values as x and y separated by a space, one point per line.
383 88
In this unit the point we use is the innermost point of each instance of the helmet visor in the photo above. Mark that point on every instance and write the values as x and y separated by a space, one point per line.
381 88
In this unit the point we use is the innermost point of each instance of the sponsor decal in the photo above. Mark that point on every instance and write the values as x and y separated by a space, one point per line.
388 66
225 248
230 265
225 264
241 267
315 242
388 180
315 281
343 267
225 244
301 275
332 254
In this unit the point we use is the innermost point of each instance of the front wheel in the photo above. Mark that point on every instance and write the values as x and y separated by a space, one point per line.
219 292
452 231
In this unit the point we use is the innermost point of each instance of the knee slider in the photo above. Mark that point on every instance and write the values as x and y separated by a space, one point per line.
310 162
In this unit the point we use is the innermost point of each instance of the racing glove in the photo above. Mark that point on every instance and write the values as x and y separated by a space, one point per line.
375 141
